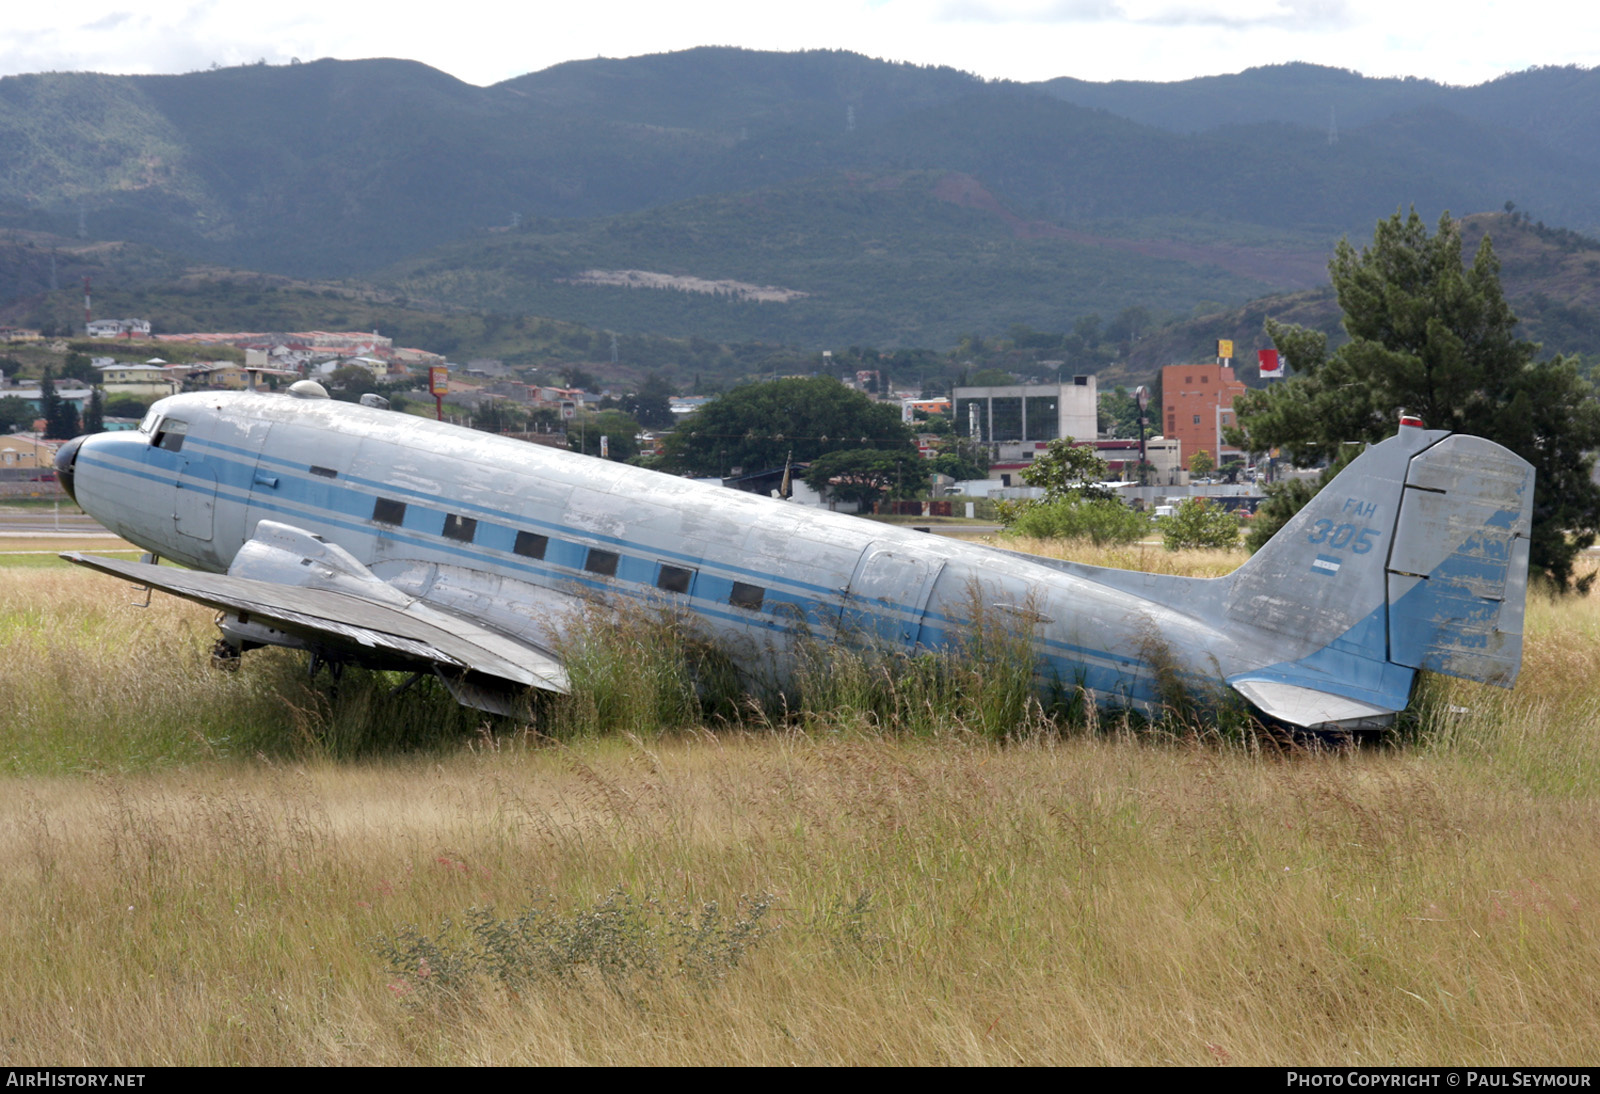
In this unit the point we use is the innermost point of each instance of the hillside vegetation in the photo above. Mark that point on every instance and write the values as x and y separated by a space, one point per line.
884 205
1551 279
909 203
892 260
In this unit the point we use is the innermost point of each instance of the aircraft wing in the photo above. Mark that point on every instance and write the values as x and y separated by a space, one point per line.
481 666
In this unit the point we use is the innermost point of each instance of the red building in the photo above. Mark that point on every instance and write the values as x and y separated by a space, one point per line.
1197 403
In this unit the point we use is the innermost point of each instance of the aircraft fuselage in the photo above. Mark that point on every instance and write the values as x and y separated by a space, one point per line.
503 533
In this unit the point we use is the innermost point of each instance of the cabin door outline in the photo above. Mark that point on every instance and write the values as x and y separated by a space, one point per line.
888 595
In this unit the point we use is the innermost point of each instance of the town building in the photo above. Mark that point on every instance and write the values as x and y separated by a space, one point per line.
118 328
148 382
1016 419
911 407
22 452
1197 405
1163 465
1122 463
34 396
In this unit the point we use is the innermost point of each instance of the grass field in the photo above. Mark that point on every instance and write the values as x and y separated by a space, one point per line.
235 868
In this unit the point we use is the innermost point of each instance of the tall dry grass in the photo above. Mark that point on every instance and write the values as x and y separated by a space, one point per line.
1149 556
1098 901
199 874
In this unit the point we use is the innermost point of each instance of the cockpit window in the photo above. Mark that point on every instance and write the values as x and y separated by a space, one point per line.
171 434
151 417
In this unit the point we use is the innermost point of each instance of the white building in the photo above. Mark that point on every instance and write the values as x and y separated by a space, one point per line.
137 381
118 328
1014 419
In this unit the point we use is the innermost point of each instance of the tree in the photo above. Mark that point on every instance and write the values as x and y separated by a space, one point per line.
1069 470
759 426
960 462
1197 524
126 406
49 401
349 382
1100 521
60 416
992 377
866 475
580 378
77 366
651 405
94 418
620 430
1283 500
499 416
1118 413
1076 504
1201 463
15 414
1434 338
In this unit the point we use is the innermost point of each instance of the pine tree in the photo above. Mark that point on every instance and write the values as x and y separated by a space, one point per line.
1432 337
60 417
94 414
48 399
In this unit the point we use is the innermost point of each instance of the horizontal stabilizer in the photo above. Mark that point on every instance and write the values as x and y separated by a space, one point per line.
1302 706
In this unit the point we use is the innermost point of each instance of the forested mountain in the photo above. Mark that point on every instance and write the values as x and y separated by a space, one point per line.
1551 279
893 204
1557 107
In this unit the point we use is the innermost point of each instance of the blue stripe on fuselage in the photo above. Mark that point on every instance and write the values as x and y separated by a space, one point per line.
1104 670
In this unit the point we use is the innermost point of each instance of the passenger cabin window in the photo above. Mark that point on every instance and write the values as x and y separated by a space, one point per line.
530 544
674 579
459 527
747 596
601 562
324 472
171 433
389 511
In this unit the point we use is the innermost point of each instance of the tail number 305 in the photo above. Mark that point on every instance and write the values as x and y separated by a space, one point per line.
1338 537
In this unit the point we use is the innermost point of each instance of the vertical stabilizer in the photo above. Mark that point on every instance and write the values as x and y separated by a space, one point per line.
1415 556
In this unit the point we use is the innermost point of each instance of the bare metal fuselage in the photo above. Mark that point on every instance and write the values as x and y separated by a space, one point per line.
513 536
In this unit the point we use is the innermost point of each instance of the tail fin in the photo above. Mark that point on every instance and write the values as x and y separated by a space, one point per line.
1415 556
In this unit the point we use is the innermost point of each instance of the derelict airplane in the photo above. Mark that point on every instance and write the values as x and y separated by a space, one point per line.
369 536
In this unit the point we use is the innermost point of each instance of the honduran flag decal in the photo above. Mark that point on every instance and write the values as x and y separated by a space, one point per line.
1326 565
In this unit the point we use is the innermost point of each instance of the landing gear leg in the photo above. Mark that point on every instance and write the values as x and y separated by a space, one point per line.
225 656
335 671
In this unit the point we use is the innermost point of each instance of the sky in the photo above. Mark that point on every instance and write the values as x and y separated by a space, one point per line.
486 41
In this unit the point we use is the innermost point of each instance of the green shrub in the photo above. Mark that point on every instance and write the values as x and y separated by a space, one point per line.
1198 524
1283 501
1101 522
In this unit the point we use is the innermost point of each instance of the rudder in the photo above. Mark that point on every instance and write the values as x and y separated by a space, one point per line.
1458 570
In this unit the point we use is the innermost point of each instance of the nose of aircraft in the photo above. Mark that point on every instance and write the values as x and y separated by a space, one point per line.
66 456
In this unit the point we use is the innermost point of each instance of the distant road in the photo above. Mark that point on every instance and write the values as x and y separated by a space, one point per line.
957 530
37 522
